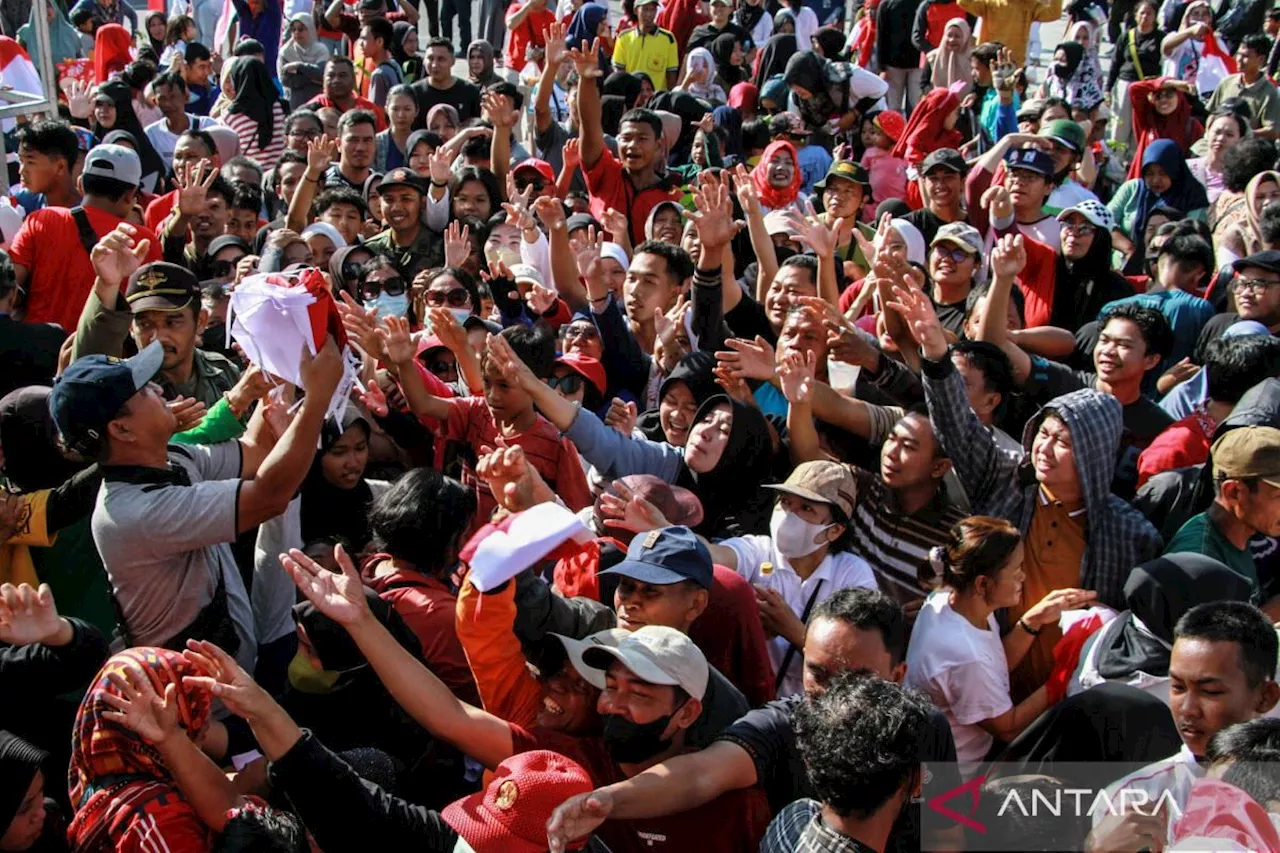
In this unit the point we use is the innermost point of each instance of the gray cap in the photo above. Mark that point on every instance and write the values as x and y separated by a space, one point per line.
960 234
659 655
115 162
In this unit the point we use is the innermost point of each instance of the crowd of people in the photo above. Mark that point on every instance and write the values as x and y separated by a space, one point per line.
714 427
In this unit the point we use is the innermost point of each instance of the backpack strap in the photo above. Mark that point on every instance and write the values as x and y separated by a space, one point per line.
88 237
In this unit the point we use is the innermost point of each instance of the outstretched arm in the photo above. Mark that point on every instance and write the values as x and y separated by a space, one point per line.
1008 257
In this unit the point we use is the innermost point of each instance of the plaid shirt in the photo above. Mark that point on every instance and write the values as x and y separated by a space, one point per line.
798 828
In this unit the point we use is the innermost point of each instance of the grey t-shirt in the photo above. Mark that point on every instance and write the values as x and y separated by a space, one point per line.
549 146
165 538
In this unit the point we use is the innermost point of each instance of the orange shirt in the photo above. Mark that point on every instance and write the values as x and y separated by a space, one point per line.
507 689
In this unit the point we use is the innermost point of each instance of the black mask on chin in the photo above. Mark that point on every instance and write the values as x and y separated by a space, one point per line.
633 743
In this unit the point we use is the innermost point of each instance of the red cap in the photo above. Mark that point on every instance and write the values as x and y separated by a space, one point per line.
587 367
427 343
542 167
891 122
511 814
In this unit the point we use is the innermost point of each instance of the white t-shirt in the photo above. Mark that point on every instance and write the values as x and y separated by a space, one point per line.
1175 774
806 26
838 571
1047 230
164 140
964 671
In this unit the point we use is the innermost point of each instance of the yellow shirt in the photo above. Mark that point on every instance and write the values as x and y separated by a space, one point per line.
653 54
31 529
1009 21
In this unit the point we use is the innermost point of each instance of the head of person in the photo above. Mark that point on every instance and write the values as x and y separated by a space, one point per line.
942 177
803 332
199 64
666 223
194 146
1256 287
1235 363
843 189
812 511
475 193
110 409
402 107
439 61
1251 156
442 120
798 276
987 374
1184 262
1144 15
1160 215
376 36
981 60
1083 226
1067 144
300 129
640 139
344 451
656 275
1132 339
344 209
111 175
1252 53
579 379
665 580
647 14
536 348
47 154
402 193
1029 177
22 803
912 457
982 561
382 287
1221 670
1246 462
263 828
854 630
339 79
167 308
223 255
323 240
422 520
1165 100
955 256
356 132
976 309
242 211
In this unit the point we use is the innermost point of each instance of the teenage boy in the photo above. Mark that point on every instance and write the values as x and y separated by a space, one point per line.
196 70
170 92
1028 180
376 38
942 176
47 155
51 250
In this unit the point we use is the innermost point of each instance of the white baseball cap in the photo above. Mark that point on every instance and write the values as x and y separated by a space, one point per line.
659 655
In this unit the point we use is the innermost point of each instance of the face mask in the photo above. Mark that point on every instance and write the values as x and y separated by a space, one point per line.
214 338
389 306
633 743
792 535
1062 70
460 314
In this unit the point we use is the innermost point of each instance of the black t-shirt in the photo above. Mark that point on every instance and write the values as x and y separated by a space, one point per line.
951 315
462 96
768 737
927 221
748 319
704 34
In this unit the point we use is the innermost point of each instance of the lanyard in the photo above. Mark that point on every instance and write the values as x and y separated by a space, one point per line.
1133 54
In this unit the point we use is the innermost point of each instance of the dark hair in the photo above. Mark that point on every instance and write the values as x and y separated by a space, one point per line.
1246 158
138 74
987 52
249 47
1251 751
483 176
221 186
463 278
108 188
502 87
1054 102
679 264
302 114
354 117
8 276
441 41
1150 322
80 14
1020 829
978 546
170 78
1258 43
262 830
535 346
52 138
868 610
1269 226
422 519
196 52
289 156
402 89
755 134
240 161
339 195
639 115
177 26
1242 122
479 148
246 197
1189 248
1234 365
479 234
381 29
809 262
989 360
860 741
205 137
341 59
1235 622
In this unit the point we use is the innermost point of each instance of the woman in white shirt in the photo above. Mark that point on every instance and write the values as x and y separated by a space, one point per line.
957 655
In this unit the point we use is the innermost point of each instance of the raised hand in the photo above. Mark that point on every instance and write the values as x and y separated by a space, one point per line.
713 218
188 410
396 341
515 483
361 324
623 509
585 59
796 373
321 373
812 233
226 680
1008 257
338 596
622 416
749 359
540 299
457 244
440 166
572 153
499 109
79 104
589 254
518 208
550 211
667 325
553 38
502 357
116 257
446 327
733 384
871 248
139 708
746 189
998 202
320 153
194 180
615 223
29 615
917 312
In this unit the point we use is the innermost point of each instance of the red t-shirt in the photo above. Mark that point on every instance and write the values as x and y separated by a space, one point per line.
160 209
1182 444
528 32
731 823
610 186
61 275
471 422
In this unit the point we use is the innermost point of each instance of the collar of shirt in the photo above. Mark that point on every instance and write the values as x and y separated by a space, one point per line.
144 475
1076 510
820 838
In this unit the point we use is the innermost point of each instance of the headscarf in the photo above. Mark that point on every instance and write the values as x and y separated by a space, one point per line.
1185 193
1081 288
328 510
732 501
20 761
690 111
917 253
324 229
583 27
157 44
831 40
826 81
336 261
783 15
449 110
64 39
113 771
701 59
747 16
953 66
487 74
773 58
1080 86
122 95
112 51
722 49
415 138
775 89
401 29
1253 213
1181 126
924 132
255 95
729 119
313 54
1090 38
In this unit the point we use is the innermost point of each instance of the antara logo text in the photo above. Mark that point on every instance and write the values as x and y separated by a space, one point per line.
1088 802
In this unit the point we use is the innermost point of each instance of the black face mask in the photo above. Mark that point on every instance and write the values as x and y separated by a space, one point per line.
633 743
214 339
1062 70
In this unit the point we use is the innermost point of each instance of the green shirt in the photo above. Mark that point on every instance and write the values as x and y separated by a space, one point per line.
1201 536
426 252
1262 97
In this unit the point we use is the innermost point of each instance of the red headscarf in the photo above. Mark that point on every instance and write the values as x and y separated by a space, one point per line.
864 35
770 196
924 132
111 51
1179 126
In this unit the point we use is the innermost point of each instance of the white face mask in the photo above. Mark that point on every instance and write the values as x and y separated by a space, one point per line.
793 536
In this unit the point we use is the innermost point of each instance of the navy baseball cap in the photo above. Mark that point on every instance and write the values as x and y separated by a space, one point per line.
1031 159
666 556
90 393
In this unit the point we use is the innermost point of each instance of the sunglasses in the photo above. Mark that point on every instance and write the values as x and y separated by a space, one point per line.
956 254
456 298
390 286
571 333
223 269
570 383
350 272
443 368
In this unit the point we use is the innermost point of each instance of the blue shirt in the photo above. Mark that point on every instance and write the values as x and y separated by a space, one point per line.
1186 314
814 163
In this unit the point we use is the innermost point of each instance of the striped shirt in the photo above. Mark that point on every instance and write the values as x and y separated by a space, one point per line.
897 545
247 130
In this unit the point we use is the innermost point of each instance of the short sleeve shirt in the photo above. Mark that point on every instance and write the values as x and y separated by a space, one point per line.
654 54
165 539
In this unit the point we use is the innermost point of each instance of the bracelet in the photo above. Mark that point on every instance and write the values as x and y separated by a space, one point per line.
436 183
310 179
1023 623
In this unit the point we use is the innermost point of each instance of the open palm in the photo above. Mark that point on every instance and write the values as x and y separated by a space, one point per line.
338 596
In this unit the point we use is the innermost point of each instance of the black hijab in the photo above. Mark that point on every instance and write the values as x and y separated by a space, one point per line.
747 16
1082 287
690 110
328 510
255 95
31 459
831 40
1158 592
773 58
695 371
1075 55
20 761
121 94
733 503
722 50
411 143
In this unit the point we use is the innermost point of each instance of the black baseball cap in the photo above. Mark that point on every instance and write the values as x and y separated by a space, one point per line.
582 220
1268 260
162 286
92 390
946 158
666 556
401 177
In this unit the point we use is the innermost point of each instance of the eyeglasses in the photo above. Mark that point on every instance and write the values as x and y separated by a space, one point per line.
305 134
1257 285
582 330
456 298
955 253
1081 229
570 383
391 286
1024 175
